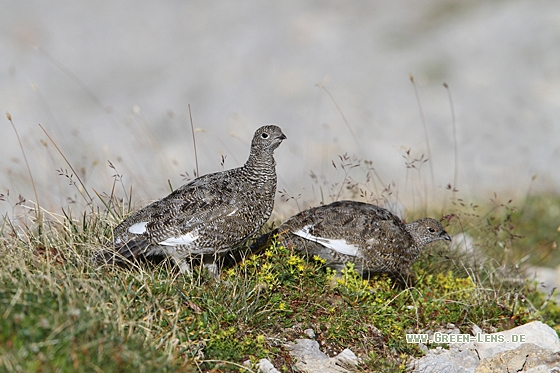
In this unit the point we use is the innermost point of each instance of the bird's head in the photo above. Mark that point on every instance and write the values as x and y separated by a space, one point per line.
427 230
268 138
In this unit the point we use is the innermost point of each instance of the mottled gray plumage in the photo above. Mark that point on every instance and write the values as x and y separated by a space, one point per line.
208 216
369 236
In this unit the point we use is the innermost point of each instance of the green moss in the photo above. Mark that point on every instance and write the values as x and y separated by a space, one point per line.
537 222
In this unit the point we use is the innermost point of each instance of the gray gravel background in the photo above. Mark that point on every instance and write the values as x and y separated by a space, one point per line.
111 80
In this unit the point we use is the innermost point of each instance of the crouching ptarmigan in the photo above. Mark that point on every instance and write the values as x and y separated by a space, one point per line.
207 217
369 236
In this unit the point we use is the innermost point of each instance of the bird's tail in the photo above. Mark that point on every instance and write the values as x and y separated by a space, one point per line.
121 255
262 242
234 257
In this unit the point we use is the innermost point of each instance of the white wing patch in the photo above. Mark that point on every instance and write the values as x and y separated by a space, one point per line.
184 239
338 245
138 228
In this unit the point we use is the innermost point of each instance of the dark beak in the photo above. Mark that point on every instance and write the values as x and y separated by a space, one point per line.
282 137
444 235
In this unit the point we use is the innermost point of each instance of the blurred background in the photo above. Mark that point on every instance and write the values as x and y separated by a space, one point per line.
112 81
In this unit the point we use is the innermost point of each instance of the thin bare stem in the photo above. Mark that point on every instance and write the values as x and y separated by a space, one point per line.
112 195
107 205
230 363
383 185
320 85
70 74
130 200
342 185
9 116
194 141
455 145
423 119
68 163
119 177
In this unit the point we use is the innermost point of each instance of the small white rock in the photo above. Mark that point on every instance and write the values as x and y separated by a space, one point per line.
265 366
476 329
310 333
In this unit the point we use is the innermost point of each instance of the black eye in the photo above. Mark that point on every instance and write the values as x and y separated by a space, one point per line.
264 135
431 230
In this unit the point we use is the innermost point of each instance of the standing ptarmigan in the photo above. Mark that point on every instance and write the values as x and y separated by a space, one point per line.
369 236
207 217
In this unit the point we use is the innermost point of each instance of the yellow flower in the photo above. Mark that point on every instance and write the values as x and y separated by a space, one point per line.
294 260
317 258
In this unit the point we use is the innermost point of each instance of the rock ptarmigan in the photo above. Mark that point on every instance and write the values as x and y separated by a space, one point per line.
369 236
207 217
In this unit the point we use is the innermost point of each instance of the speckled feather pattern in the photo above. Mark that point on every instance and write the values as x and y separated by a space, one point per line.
211 214
381 242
